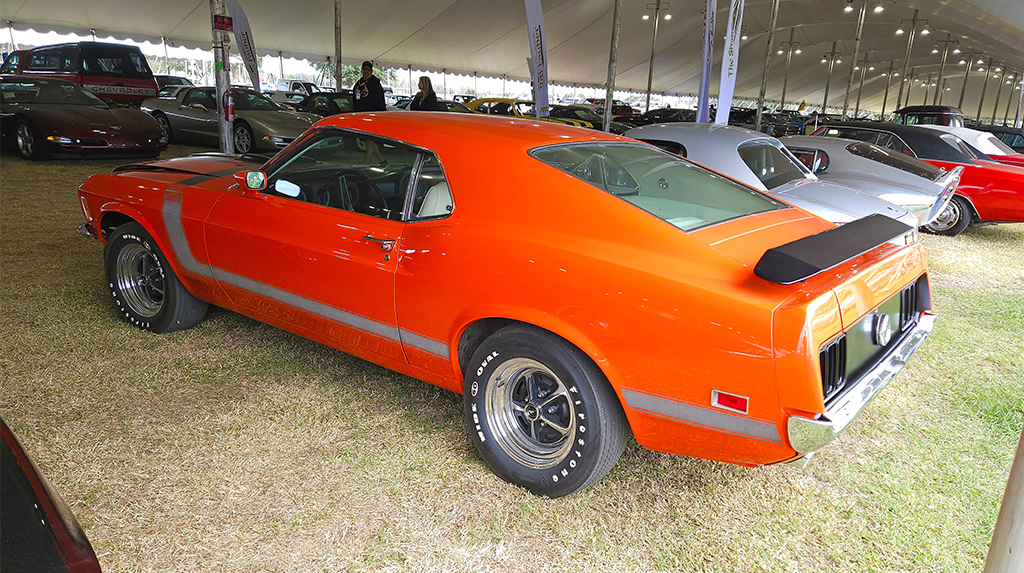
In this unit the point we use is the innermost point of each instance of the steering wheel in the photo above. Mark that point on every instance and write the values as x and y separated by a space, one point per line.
364 194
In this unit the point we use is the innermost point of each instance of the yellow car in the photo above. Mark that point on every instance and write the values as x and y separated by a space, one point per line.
518 108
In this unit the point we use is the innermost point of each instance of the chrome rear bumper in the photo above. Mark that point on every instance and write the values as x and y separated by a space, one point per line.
807 435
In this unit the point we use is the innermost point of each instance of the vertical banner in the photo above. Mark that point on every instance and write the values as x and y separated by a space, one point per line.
246 45
539 53
730 62
703 98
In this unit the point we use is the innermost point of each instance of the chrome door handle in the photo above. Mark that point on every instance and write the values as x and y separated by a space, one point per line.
386 244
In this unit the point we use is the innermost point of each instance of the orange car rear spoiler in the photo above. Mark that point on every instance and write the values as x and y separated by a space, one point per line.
806 257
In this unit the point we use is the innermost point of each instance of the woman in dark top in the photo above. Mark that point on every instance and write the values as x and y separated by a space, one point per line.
426 99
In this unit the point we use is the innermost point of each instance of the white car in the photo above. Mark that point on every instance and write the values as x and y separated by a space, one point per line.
983 141
917 186
762 162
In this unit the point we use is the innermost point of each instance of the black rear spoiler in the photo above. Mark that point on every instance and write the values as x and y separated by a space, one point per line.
806 257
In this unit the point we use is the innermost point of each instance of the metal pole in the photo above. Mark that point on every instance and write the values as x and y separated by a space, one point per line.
280 63
926 87
789 58
1009 98
942 66
942 91
860 89
1008 537
654 40
888 78
503 78
831 64
856 54
10 30
984 86
613 57
338 61
223 79
999 92
906 61
444 81
1020 97
767 62
167 65
967 72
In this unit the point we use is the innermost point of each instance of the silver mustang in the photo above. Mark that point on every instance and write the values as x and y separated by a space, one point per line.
764 163
260 124
919 187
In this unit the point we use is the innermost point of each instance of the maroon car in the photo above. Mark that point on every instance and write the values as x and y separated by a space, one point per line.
48 116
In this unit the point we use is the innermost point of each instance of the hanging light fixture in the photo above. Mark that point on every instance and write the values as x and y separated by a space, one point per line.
668 15
962 62
849 6
935 50
797 51
999 69
824 60
879 9
646 16
981 61
956 50
925 31
899 31
779 52
838 61
871 68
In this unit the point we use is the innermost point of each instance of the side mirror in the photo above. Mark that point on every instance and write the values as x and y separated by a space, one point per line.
252 180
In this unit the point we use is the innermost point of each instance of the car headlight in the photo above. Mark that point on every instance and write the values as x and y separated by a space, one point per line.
273 138
59 139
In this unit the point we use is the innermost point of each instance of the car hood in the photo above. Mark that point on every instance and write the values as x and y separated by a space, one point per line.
283 123
87 121
838 203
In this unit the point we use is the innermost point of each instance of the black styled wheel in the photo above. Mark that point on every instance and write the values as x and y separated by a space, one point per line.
27 140
542 415
145 288
244 140
953 219
164 125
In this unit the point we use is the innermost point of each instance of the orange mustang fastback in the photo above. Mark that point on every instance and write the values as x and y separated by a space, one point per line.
575 286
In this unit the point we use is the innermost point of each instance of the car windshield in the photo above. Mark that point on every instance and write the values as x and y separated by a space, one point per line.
894 159
47 91
455 106
250 100
770 164
683 194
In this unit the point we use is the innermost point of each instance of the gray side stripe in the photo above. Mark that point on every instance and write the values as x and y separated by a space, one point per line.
701 416
176 234
425 344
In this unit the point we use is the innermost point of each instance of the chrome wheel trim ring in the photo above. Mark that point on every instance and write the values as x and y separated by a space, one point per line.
949 217
164 124
530 413
26 143
140 280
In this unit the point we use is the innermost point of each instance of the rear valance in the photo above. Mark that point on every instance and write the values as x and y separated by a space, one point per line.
804 258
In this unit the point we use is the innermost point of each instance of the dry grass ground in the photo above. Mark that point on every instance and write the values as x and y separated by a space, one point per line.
237 447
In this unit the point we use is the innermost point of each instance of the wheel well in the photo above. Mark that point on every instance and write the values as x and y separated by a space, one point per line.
111 221
475 334
974 211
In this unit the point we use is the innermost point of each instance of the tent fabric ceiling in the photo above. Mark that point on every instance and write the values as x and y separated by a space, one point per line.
488 37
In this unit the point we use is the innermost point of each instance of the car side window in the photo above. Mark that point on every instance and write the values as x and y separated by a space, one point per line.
348 171
10 64
432 198
200 97
669 146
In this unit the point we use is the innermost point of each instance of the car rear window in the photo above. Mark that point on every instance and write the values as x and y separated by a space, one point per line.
893 159
770 164
683 194
114 62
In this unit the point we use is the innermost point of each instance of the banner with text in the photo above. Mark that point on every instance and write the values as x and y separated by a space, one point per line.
539 53
246 45
730 62
703 97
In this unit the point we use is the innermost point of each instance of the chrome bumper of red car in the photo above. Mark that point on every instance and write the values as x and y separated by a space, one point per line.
807 436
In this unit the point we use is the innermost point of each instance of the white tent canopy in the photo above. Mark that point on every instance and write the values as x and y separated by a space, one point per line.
488 37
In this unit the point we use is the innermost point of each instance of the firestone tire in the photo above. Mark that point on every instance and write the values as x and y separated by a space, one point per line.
953 219
146 291
541 414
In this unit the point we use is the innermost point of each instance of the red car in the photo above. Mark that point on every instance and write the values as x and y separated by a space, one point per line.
40 117
576 287
989 192
116 72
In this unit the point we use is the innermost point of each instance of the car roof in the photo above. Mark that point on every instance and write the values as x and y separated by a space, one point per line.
925 142
455 133
709 133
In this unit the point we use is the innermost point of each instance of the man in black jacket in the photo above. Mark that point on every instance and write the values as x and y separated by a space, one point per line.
367 91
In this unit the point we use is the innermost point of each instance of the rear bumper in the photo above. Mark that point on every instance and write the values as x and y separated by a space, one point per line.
809 435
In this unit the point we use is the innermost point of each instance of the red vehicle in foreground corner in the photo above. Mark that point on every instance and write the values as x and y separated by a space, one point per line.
989 192
572 284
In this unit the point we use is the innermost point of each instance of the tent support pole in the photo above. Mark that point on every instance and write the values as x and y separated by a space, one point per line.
337 47
967 72
906 61
654 41
888 78
789 59
222 75
613 57
999 93
767 62
984 87
1009 530
856 54
942 68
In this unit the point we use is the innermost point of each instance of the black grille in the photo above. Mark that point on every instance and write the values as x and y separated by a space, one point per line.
908 306
833 367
